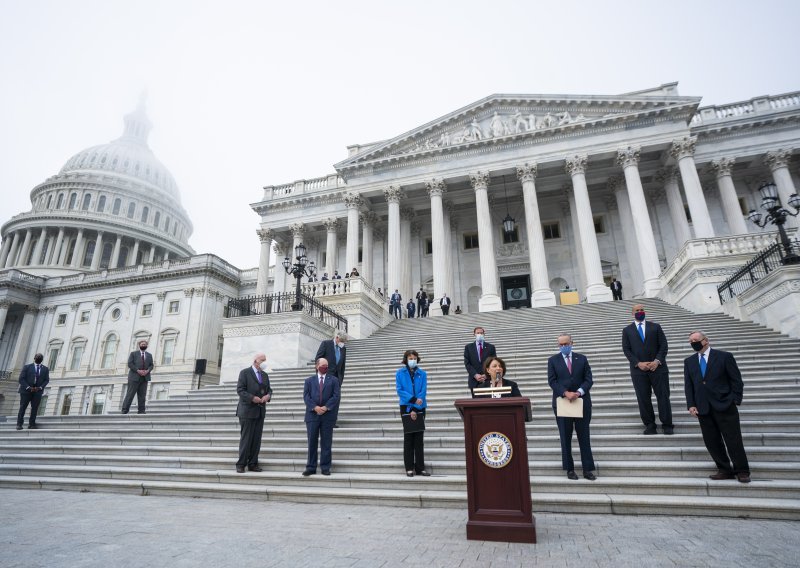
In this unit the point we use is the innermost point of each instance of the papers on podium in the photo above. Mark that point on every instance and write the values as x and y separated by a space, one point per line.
569 409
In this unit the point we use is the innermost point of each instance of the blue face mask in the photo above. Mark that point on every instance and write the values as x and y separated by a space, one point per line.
565 349
412 363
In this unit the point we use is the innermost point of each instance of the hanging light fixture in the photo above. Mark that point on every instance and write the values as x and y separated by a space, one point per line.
508 223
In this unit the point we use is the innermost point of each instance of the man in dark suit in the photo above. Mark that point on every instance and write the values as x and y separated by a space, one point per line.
396 302
32 380
714 390
321 395
616 289
645 346
569 375
475 355
140 365
334 350
444 303
254 393
422 295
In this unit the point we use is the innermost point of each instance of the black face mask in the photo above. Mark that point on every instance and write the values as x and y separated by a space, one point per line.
697 345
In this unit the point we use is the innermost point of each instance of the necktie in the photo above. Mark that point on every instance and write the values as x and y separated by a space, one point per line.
321 385
338 354
258 377
703 365
144 360
480 351
569 365
641 332
36 378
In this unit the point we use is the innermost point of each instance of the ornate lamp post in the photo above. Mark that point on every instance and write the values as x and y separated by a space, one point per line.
776 214
302 267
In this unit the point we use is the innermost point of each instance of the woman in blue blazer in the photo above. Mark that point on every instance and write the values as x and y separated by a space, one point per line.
412 391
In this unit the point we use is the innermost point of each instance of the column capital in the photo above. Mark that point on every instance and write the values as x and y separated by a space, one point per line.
576 164
4 304
628 156
416 227
265 235
331 224
33 310
722 166
394 193
135 299
297 230
98 304
188 292
611 202
406 214
527 172
369 218
658 195
161 296
353 201
448 207
614 183
479 180
667 175
683 147
777 159
436 187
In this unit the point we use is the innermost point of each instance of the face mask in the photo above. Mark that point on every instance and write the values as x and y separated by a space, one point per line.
565 349
340 344
323 370
143 347
639 316
479 337
263 366
697 345
412 363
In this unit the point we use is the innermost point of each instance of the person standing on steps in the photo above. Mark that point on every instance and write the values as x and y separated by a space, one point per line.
32 380
616 289
335 350
140 366
321 393
396 302
422 297
254 393
475 355
411 383
645 346
444 303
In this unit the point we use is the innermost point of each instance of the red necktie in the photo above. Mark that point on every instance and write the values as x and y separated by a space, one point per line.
480 352
144 361
569 365
321 385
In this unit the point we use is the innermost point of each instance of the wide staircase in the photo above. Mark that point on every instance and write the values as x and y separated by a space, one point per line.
188 445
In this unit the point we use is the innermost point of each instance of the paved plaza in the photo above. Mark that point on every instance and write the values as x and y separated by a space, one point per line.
65 529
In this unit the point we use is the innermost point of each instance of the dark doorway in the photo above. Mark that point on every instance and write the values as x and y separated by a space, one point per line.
516 292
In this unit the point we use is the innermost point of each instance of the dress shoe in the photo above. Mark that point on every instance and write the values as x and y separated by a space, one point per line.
423 473
572 475
254 468
239 469
124 412
743 477
32 427
410 473
308 472
326 473
142 412
669 430
590 476
722 475
19 427
650 430
335 425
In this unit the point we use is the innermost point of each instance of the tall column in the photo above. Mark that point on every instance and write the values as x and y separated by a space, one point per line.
437 188
406 286
490 300
133 258
596 290
23 343
449 227
778 163
98 251
37 250
77 252
265 236
634 286
5 249
12 253
152 256
677 213
683 151
51 250
368 219
115 254
353 204
537 258
568 208
279 282
628 158
727 194
62 253
26 247
4 305
332 245
393 196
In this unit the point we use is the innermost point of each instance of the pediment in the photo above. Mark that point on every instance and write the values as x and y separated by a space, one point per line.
502 119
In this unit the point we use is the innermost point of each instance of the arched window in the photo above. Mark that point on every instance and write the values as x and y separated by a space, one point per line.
89 255
166 225
76 353
49 200
123 257
109 351
145 213
117 205
131 210
157 219
169 340
87 200
73 199
105 260
101 204
60 201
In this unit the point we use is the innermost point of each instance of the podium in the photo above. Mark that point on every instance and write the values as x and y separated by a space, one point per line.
569 297
498 477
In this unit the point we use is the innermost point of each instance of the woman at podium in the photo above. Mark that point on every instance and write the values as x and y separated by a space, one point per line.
495 368
412 391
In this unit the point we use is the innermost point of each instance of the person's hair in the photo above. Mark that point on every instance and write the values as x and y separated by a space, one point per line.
702 335
341 335
489 362
408 353
560 335
38 356
477 328
635 307
316 362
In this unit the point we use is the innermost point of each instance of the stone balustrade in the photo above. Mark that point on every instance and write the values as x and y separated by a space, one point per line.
330 181
757 105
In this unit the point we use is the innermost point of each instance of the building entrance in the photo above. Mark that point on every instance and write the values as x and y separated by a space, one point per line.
516 291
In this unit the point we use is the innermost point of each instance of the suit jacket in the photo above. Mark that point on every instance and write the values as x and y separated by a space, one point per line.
473 364
28 375
506 383
561 380
247 387
135 364
396 299
654 346
330 397
617 287
327 349
721 387
445 301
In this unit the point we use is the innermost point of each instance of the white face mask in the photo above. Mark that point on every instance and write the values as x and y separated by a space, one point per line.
479 337
412 363
340 344
263 366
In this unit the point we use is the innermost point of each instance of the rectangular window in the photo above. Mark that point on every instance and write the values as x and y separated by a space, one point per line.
512 237
470 241
428 246
66 404
167 351
599 224
743 206
85 316
174 305
77 355
551 231
147 310
53 358
98 403
61 319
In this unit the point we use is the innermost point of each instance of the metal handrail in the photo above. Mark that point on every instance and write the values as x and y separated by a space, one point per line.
758 268
282 303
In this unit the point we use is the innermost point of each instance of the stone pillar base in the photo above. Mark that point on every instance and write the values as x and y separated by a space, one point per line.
489 303
543 298
653 288
598 293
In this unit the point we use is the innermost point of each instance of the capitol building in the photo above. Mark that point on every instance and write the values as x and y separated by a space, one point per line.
505 203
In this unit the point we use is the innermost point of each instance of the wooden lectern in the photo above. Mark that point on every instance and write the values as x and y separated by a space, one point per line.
498 478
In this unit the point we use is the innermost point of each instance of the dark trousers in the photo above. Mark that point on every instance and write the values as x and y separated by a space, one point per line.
414 451
419 308
398 313
138 387
26 398
445 310
250 440
320 432
721 430
617 294
645 384
581 426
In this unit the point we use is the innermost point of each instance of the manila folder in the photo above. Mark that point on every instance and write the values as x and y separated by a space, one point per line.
567 409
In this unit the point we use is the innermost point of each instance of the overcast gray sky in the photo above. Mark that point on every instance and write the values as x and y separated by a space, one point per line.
244 94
